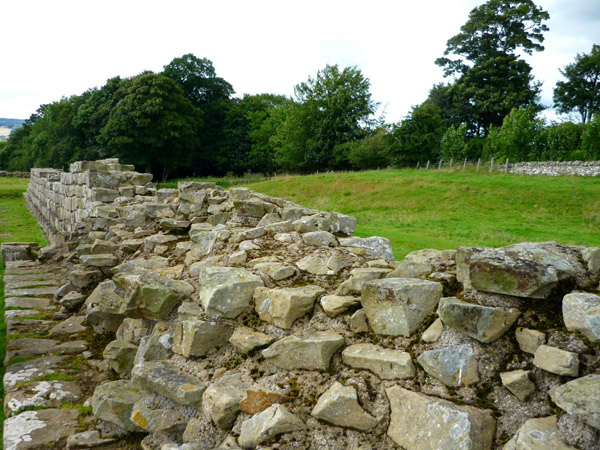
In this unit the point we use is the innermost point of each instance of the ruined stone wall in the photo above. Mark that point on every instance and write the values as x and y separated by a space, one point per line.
555 168
208 318
4 173
69 202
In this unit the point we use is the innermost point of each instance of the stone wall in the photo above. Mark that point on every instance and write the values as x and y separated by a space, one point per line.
555 168
76 202
4 173
207 318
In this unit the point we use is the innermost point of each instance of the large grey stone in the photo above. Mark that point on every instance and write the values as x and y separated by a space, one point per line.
113 402
555 360
420 422
226 291
398 306
484 323
529 340
376 247
339 406
221 400
245 339
311 350
120 356
334 305
581 312
282 307
581 397
453 366
385 363
18 251
42 394
198 337
518 382
262 427
39 429
146 415
538 434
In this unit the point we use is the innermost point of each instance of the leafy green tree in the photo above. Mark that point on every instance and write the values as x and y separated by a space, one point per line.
563 141
331 109
590 139
453 144
417 138
491 79
372 152
152 125
581 91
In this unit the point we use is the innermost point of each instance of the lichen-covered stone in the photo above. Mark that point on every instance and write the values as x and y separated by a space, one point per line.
433 332
339 406
529 340
420 422
221 400
581 397
398 306
581 312
334 305
120 356
197 337
555 360
484 323
453 366
245 339
282 307
113 402
518 382
39 429
268 424
385 363
538 434
376 246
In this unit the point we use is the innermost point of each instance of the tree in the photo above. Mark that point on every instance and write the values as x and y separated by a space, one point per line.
590 139
152 125
491 79
581 91
329 110
563 141
453 144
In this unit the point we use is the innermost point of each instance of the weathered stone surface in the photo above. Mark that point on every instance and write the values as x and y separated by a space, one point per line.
198 337
322 265
151 242
151 296
102 260
18 251
376 247
334 305
538 434
385 363
174 224
256 401
84 279
101 247
484 323
268 424
339 406
311 350
420 422
581 397
245 339
46 394
155 347
28 302
434 331
453 366
70 326
555 360
133 330
226 291
581 312
221 400
72 301
276 271
87 439
28 347
25 371
358 322
529 340
163 379
398 306
113 402
531 270
39 429
157 210
282 307
320 239
518 383
146 415
120 356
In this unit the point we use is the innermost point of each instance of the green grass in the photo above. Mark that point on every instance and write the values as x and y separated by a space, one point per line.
16 225
226 182
445 209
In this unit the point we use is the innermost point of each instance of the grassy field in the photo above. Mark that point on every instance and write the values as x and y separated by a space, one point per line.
16 225
449 208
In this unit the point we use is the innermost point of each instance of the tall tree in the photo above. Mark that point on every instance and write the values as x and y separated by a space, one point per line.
581 91
491 79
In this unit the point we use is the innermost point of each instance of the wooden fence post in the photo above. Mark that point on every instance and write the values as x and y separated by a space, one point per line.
440 164
506 166
465 164
451 162
427 168
478 163
418 162
492 165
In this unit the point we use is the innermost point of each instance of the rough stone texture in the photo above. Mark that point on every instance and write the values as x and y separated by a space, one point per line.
555 360
198 337
433 332
339 406
398 306
484 323
311 350
113 402
41 394
529 340
385 363
226 291
418 422
264 426
518 383
120 356
245 339
334 305
221 400
282 307
453 366
581 397
39 429
538 434
581 312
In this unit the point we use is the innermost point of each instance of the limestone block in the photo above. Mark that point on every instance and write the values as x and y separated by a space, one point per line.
113 402
453 366
385 363
581 397
39 429
120 356
376 246
529 340
156 211
555 360
275 270
245 339
581 312
146 415
339 406
358 277
322 265
282 307
320 239
434 331
104 195
151 242
358 322
538 434
518 383
198 337
268 424
101 260
221 400
334 305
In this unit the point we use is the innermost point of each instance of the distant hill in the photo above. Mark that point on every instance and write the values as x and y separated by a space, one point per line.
7 125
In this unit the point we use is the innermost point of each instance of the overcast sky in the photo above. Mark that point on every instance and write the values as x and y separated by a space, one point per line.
51 49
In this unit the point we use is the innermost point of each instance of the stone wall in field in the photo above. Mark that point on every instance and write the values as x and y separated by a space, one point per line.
555 168
232 319
75 201
4 173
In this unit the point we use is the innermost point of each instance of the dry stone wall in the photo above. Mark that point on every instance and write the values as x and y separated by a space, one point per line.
555 168
202 318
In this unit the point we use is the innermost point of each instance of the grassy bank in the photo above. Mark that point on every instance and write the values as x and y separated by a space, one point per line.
448 208
16 225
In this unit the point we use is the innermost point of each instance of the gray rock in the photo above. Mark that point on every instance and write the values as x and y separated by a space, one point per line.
322 265
113 402
453 366
106 260
70 326
529 340
433 333
320 239
120 356
146 415
339 406
282 307
221 400
133 330
151 242
163 379
72 301
334 305
358 322
376 247
385 363
398 306
245 339
555 360
26 371
518 383
311 350
39 429
581 312
484 323
28 347
18 251
41 394
87 439
268 424
581 397
538 434
358 277
275 270
157 211
198 337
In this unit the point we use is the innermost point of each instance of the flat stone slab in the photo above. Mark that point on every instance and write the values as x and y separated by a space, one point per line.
581 312
581 397
453 366
30 281
12 314
282 307
245 339
72 325
46 394
264 426
555 360
28 370
30 292
24 325
113 402
37 429
29 302
538 434
70 348
339 406
29 347
385 363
